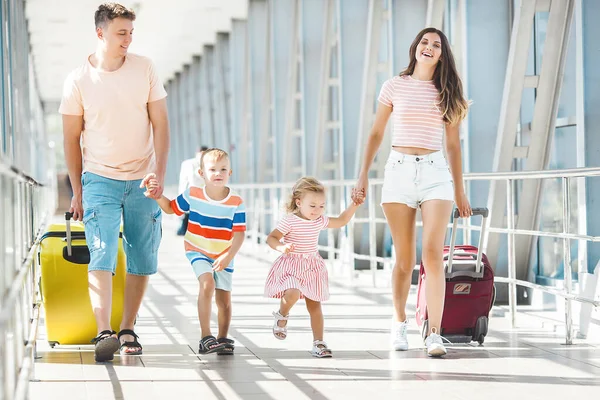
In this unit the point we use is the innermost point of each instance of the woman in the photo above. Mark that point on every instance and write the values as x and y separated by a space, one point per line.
425 100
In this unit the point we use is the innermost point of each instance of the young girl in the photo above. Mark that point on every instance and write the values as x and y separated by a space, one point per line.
427 105
300 271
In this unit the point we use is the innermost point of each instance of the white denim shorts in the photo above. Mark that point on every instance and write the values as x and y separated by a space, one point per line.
411 180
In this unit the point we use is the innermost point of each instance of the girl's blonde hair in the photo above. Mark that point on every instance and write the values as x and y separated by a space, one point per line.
303 185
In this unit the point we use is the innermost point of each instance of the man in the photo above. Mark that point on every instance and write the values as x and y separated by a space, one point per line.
116 105
189 176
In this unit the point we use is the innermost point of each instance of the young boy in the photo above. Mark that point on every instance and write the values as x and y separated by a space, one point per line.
215 233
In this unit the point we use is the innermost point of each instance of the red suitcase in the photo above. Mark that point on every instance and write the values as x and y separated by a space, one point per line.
470 291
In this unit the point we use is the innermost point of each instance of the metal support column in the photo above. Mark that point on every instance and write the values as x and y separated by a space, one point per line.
458 38
329 157
176 125
217 109
281 17
222 73
547 85
435 13
196 102
181 114
379 19
246 153
209 88
294 161
170 175
256 79
267 168
190 137
186 131
238 60
582 245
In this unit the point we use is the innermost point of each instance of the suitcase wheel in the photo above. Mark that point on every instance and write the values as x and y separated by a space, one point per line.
481 329
425 329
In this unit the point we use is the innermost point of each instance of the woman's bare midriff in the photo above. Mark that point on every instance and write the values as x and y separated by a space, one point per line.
415 151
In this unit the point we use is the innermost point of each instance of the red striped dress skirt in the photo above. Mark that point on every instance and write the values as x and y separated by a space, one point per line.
303 269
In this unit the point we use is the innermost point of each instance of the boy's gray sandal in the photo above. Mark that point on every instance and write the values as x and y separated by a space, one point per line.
209 344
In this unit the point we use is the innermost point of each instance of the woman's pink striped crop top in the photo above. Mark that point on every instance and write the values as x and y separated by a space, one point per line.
417 118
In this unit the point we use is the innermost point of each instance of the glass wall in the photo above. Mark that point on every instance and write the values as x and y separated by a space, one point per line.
21 111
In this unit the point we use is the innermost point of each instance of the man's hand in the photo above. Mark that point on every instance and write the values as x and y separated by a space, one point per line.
154 187
222 262
76 207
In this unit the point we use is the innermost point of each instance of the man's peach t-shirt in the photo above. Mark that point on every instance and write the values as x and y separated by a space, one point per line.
117 141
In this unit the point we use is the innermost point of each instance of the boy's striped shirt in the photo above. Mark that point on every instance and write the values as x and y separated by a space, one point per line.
211 224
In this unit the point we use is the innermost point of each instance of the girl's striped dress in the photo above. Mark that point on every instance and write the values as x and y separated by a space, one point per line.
304 268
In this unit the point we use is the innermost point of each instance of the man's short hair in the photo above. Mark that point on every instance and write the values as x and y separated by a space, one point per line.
201 149
213 154
106 12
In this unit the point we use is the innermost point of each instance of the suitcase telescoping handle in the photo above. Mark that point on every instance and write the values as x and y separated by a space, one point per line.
68 216
476 211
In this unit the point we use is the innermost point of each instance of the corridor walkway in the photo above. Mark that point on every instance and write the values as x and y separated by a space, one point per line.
529 363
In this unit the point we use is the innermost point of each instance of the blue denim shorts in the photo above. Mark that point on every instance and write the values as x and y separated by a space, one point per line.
108 202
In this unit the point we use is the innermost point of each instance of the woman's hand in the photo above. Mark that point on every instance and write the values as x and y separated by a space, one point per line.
462 204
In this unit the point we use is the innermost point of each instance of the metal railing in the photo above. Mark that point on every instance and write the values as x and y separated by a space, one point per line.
25 206
266 199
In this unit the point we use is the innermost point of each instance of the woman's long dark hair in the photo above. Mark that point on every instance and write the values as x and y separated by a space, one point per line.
452 103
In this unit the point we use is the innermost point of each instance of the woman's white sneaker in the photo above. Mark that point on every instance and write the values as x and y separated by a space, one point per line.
435 345
399 335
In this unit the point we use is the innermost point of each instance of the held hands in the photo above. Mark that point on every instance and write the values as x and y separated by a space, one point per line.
359 192
286 248
154 187
221 262
358 196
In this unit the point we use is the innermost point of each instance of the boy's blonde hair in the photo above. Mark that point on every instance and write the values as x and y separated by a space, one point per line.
303 185
213 154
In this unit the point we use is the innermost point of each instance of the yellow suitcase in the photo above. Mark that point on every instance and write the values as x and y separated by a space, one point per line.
64 285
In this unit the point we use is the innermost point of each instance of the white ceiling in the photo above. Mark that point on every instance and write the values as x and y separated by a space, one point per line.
170 32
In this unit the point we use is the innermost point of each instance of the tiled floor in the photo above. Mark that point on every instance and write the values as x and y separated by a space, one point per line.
529 363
